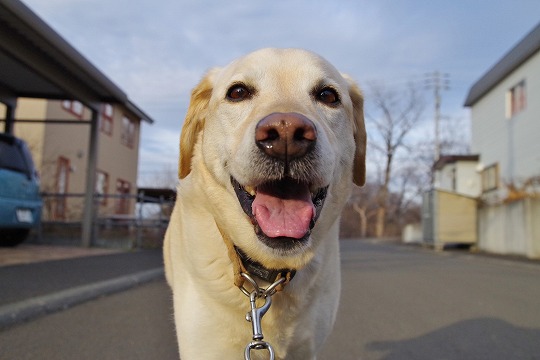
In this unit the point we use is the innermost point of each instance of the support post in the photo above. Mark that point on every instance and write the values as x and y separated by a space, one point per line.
89 213
10 119
10 101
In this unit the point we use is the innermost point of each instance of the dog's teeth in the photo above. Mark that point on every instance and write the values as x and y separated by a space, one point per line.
250 190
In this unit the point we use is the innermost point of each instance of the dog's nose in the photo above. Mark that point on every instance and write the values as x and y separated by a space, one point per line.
285 136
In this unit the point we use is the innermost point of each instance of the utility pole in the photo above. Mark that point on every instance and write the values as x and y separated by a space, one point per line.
438 81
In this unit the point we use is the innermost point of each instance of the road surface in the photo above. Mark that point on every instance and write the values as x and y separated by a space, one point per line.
398 302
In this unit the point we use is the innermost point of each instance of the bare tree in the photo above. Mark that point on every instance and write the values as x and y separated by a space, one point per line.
455 136
391 114
363 202
453 140
401 147
166 177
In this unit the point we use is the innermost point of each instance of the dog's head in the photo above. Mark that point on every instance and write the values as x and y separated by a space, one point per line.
282 132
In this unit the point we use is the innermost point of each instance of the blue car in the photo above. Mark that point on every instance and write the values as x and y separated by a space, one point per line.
20 200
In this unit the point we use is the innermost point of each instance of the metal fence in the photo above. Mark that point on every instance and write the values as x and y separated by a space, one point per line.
120 221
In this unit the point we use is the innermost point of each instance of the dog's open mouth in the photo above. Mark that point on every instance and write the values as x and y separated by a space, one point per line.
283 212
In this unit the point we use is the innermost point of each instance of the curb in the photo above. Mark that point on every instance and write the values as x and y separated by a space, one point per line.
29 309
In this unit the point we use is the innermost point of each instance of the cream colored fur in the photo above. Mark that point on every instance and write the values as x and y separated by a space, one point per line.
217 142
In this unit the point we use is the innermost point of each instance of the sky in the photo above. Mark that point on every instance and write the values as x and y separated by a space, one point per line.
157 51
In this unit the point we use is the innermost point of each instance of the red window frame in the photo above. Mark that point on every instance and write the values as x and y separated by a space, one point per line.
106 119
123 187
127 137
74 107
517 99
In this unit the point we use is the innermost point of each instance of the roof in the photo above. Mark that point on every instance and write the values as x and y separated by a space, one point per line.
520 53
451 159
36 62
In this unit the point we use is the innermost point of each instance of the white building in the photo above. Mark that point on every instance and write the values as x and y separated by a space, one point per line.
505 116
459 174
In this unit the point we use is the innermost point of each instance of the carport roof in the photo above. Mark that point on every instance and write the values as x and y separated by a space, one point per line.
36 62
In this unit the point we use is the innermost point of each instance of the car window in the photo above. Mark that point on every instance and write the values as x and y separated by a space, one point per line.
12 158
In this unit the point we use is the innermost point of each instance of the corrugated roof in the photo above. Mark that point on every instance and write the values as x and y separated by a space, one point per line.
520 53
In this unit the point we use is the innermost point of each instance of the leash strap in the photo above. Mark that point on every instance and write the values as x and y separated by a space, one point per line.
238 267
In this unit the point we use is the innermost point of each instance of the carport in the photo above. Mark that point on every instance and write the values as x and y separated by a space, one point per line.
36 62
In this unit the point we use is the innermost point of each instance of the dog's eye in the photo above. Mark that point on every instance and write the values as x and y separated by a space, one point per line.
328 96
238 92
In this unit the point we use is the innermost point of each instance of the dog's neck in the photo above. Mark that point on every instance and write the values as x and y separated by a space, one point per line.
243 264
257 269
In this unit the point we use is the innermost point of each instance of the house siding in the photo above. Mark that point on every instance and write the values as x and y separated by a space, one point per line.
508 216
33 134
48 142
512 143
467 179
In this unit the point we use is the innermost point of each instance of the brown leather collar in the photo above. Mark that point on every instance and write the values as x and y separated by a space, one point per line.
255 268
243 264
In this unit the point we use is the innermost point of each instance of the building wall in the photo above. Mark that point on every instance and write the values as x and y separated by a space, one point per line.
118 160
468 178
50 142
69 141
32 133
444 177
461 177
512 143
510 228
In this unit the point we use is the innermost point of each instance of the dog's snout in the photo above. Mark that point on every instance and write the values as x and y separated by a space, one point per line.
285 136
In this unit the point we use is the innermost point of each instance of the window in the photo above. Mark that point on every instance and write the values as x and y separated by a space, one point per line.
13 157
123 188
516 99
62 181
128 132
74 107
102 186
106 119
490 178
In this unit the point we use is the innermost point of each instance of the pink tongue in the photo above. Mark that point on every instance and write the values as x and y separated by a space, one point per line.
284 212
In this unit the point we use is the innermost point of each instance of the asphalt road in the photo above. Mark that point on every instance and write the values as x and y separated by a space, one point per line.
409 303
397 303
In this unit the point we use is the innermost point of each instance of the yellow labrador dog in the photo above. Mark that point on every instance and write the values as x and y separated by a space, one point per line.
269 150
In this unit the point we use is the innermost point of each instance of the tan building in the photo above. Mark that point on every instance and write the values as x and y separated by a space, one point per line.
59 145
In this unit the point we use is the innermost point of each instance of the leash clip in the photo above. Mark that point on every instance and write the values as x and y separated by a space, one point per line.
258 345
256 314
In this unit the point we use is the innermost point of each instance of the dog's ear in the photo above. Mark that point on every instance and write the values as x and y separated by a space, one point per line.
194 122
360 137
